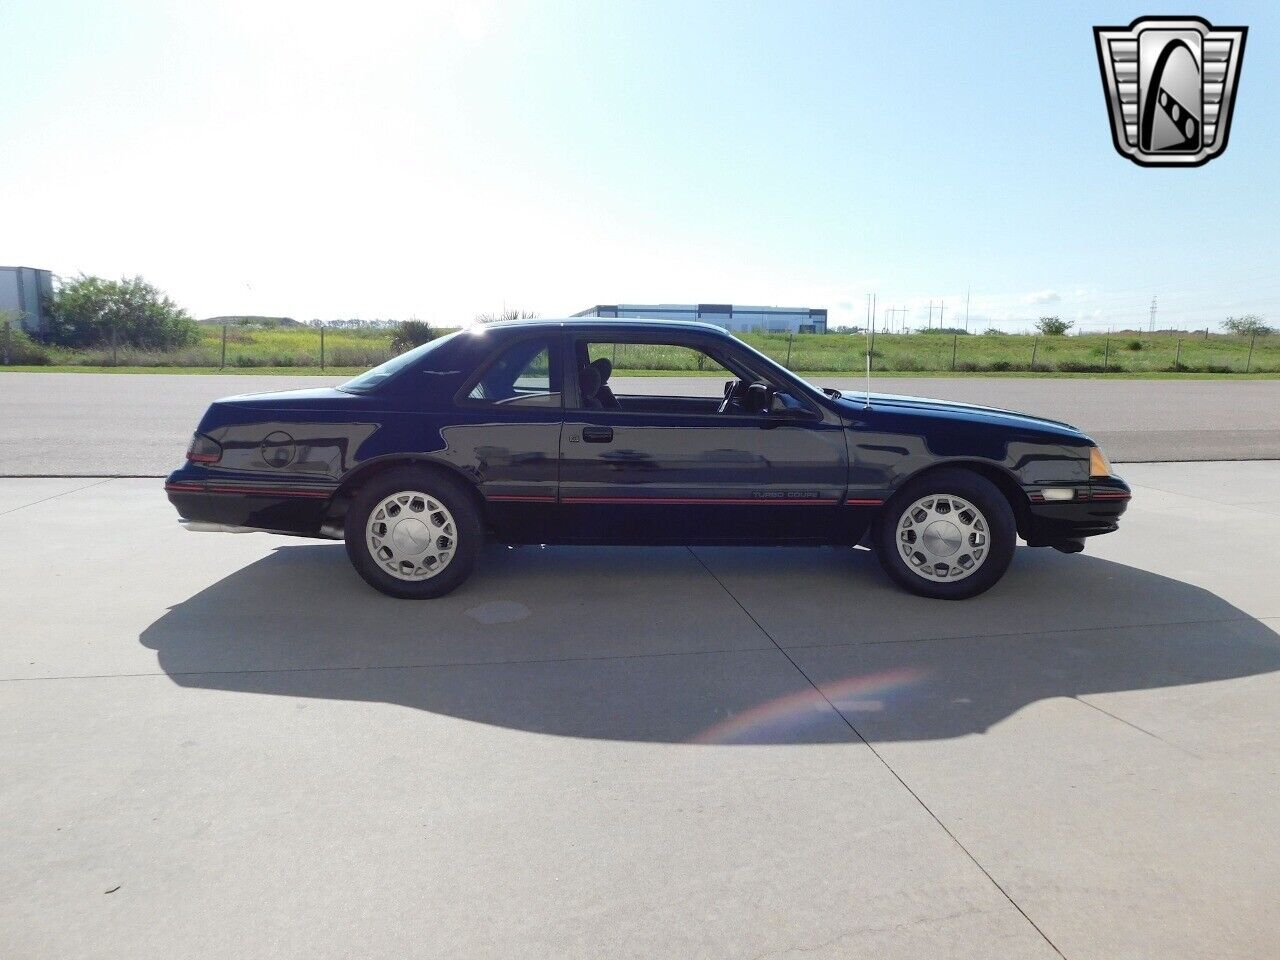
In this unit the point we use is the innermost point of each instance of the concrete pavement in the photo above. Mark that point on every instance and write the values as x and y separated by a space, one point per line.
122 424
222 745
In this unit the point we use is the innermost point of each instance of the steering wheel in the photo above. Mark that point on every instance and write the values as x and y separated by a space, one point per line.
731 399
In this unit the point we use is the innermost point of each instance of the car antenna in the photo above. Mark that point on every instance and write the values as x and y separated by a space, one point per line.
871 339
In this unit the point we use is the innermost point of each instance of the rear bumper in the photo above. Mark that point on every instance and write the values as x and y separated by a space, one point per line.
1092 511
297 508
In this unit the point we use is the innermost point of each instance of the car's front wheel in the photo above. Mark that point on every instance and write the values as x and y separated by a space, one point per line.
413 533
948 535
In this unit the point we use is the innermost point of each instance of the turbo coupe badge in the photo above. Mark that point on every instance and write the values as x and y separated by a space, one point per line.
1170 84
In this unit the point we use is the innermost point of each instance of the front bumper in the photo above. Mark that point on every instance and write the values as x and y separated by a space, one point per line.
1094 509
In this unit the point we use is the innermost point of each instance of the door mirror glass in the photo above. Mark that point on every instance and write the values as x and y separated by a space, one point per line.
785 405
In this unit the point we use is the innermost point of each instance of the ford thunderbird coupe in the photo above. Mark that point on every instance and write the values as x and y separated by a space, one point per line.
512 432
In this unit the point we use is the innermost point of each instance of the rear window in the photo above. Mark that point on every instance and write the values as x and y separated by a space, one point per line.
523 375
380 374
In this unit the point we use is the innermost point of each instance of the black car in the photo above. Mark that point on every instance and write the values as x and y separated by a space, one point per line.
511 432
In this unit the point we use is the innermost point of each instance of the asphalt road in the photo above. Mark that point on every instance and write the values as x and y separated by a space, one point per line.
229 746
106 424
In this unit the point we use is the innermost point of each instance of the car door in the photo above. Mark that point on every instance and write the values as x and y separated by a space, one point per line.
505 433
675 470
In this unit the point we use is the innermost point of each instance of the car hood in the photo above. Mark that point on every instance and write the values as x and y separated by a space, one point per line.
312 398
924 405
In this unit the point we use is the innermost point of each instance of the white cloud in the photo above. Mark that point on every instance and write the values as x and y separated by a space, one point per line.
1044 296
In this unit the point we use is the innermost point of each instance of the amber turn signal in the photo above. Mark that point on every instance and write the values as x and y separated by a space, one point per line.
1098 463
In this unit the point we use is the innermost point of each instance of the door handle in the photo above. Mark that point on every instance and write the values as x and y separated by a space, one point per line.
597 434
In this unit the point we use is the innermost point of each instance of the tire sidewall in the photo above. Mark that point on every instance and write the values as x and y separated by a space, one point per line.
440 486
984 495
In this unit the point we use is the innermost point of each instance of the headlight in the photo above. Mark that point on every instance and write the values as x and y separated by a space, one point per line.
1098 463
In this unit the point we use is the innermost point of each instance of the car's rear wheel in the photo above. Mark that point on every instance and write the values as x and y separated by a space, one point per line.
413 533
948 535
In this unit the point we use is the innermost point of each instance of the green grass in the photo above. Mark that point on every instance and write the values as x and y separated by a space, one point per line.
1128 353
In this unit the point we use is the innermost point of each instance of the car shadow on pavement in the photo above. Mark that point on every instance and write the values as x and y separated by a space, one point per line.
648 644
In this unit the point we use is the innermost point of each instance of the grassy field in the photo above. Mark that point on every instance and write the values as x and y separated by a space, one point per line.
297 350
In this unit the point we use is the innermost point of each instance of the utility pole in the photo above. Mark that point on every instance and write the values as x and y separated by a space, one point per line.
966 309
1152 326
930 327
942 313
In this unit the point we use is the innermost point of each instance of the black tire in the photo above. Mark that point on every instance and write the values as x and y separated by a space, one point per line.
450 493
1002 534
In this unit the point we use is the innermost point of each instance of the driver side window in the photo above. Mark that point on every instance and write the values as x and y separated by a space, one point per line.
650 357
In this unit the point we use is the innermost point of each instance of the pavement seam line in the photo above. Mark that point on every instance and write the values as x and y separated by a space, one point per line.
64 493
1020 633
1216 503
876 753
1128 723
453 664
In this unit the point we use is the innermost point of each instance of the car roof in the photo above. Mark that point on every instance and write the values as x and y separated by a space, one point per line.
629 323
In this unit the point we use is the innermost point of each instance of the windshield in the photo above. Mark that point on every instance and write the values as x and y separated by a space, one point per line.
385 371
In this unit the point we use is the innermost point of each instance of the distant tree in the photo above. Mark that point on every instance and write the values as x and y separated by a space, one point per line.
960 330
993 332
1250 324
410 334
89 311
505 315
1053 326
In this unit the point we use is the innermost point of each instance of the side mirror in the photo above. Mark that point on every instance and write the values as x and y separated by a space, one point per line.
785 405
759 398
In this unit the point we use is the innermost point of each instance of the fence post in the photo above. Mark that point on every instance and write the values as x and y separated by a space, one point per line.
1177 360
1248 364
1206 333
1106 354
322 348
790 338
1035 345
223 364
955 339
6 342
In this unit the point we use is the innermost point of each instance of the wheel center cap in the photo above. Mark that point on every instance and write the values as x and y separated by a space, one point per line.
942 538
411 536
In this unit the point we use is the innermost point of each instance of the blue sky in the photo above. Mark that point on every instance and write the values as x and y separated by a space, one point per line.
398 159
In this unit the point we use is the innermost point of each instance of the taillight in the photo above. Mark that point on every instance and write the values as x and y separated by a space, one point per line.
204 450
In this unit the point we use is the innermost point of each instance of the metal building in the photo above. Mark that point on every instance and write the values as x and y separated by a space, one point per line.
25 293
730 316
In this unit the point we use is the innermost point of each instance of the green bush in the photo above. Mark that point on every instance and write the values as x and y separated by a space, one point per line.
91 312
21 350
1053 326
410 334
